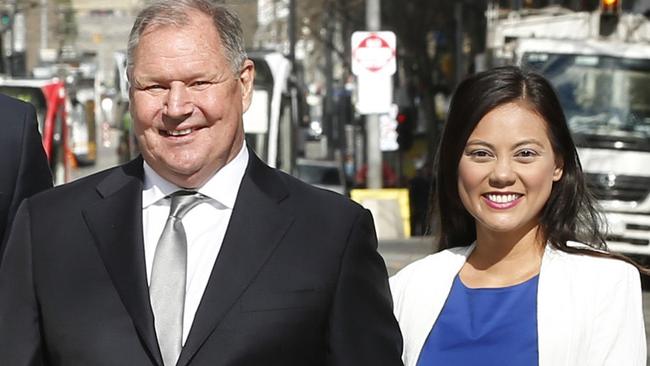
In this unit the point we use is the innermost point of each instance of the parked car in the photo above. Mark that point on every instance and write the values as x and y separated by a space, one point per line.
50 99
327 174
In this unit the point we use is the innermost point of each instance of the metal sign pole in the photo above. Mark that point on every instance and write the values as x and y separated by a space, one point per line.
374 158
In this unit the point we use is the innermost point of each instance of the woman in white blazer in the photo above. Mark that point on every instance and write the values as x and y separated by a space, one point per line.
524 277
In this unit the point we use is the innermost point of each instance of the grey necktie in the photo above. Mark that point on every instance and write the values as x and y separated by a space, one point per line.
168 275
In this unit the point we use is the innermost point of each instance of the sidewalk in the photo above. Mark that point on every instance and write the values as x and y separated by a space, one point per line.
398 253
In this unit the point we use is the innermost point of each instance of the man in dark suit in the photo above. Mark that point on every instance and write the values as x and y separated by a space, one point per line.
270 271
22 160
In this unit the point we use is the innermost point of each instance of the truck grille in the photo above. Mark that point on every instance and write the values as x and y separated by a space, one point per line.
618 187
631 141
623 239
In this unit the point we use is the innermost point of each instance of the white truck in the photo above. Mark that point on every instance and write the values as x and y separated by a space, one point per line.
599 63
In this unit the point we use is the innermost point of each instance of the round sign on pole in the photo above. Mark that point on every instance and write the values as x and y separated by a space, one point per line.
373 53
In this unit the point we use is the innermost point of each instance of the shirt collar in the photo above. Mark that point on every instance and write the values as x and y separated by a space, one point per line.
221 187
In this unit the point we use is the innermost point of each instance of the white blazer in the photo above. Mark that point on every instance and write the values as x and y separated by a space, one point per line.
589 310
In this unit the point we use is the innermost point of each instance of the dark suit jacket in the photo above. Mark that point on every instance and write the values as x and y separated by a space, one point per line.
23 165
298 280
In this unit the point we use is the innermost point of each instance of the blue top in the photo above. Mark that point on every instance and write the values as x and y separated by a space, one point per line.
485 326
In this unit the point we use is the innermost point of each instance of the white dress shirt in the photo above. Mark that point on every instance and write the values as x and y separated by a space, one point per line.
205 225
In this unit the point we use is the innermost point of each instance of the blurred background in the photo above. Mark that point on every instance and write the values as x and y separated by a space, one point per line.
351 95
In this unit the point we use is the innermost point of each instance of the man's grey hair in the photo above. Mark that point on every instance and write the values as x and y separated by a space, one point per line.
175 13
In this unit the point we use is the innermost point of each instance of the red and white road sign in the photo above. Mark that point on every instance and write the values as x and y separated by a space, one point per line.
373 53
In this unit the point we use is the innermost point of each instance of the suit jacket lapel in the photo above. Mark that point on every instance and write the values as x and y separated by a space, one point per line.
245 249
116 224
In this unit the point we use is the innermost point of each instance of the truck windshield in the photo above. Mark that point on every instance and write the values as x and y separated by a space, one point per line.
606 99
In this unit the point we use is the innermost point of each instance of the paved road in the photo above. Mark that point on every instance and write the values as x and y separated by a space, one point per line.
399 253
106 153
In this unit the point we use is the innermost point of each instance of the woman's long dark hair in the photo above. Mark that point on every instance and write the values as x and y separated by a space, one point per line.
570 213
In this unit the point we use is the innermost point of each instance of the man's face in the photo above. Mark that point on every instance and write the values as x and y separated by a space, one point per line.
186 103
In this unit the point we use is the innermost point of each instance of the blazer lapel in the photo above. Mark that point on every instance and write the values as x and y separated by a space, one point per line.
256 226
116 224
421 310
555 310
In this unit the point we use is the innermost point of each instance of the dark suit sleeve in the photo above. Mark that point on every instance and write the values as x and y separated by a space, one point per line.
20 338
33 173
363 330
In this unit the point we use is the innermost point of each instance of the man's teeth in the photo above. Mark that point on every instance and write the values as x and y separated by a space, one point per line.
502 198
179 132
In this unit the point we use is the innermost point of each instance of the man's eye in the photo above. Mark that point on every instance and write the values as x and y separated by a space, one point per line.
154 87
200 83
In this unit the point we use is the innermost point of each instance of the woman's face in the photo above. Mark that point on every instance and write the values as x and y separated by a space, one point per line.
507 170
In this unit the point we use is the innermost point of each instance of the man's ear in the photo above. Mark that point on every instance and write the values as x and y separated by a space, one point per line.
246 78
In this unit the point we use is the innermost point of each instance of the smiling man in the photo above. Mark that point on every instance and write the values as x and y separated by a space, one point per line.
195 253
188 99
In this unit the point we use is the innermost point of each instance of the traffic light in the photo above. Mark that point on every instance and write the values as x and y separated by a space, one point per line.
610 6
5 19
406 120
609 14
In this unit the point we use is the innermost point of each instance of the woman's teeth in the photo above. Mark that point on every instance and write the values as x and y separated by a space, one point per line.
502 198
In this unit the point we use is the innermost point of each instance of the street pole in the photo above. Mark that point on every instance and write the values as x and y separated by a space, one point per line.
10 56
293 85
292 33
44 25
374 158
459 69
328 116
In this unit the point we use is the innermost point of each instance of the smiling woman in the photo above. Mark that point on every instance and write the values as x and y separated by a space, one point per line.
524 276
507 170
